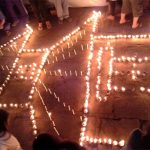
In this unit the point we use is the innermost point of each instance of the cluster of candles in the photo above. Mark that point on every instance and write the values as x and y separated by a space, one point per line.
131 59
23 68
24 106
45 57
47 51
27 34
110 72
120 36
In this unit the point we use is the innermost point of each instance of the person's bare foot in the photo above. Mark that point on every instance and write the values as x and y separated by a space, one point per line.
135 26
40 26
48 25
122 21
110 17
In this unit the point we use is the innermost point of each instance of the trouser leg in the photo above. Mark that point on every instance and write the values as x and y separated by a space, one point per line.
9 6
21 8
59 9
112 7
126 7
44 10
137 7
65 8
35 6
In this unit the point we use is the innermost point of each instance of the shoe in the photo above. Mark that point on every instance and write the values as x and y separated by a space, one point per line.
14 24
40 26
48 25
110 17
69 19
60 21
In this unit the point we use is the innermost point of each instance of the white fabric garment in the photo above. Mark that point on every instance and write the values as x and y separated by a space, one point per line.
85 3
9 142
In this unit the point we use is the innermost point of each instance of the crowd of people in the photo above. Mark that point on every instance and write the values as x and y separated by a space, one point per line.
128 6
138 139
14 11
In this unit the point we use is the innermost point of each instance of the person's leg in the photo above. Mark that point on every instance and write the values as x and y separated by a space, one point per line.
2 20
126 7
137 9
112 10
9 6
22 10
45 13
65 8
36 9
66 11
59 9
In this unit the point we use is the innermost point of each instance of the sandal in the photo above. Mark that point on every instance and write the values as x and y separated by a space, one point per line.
48 25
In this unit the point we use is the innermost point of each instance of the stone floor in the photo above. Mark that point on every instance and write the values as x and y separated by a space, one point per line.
121 113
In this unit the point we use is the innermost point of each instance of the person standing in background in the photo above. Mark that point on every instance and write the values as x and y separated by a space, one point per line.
112 8
62 11
3 23
41 11
134 6
10 12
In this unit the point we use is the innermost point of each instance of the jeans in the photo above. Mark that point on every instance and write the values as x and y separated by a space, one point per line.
11 13
40 9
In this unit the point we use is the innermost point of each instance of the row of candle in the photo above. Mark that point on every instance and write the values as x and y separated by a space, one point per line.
64 73
45 57
131 59
136 72
124 89
121 36
108 141
87 96
99 61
